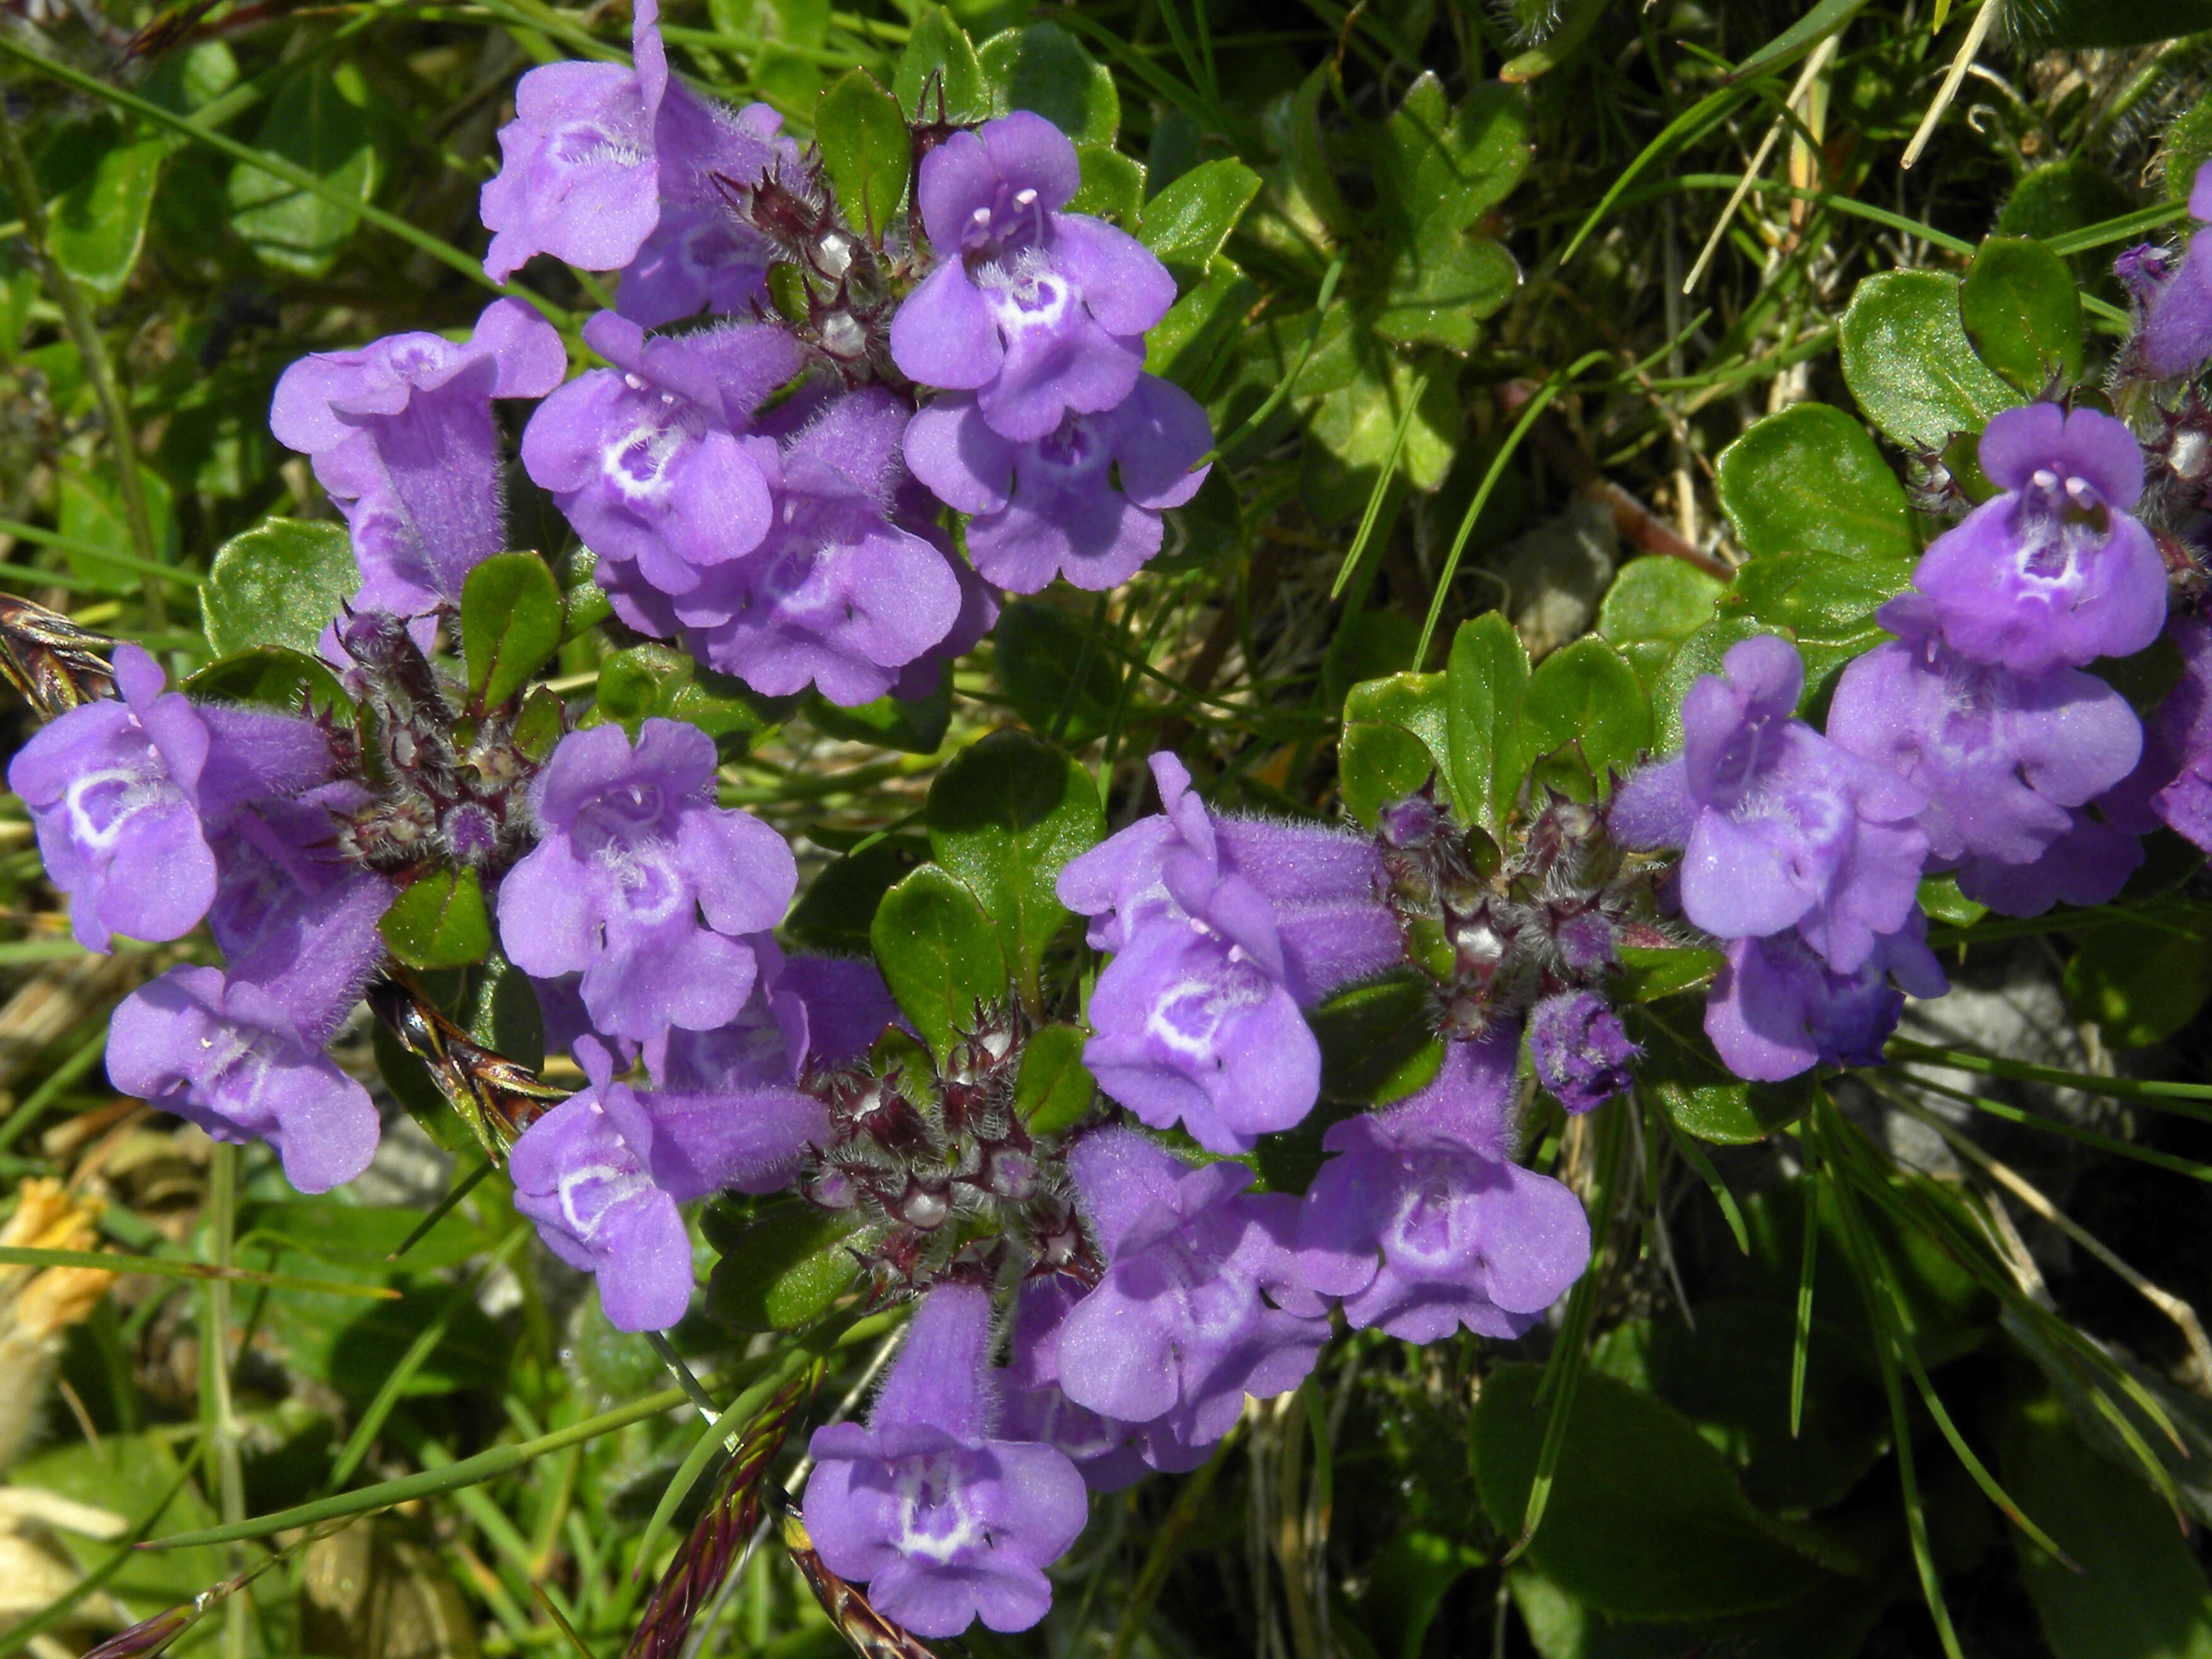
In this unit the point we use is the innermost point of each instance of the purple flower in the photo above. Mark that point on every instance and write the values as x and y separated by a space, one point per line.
1221 930
2053 570
847 1005
804 1011
764 1044
979 615
402 435
696 259
291 917
598 156
2002 757
601 1173
113 791
632 850
648 459
1581 1052
1776 1009
1320 885
1423 1224
2088 863
1110 1454
124 793
226 1055
2173 304
1192 1024
1084 502
944 1522
1780 828
1035 311
1201 1303
2172 785
840 594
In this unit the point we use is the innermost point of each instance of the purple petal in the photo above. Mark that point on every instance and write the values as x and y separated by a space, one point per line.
1124 286
944 333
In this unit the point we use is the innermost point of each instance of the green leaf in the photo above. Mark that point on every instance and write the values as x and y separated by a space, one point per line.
1809 480
940 955
269 676
1044 69
2142 981
1941 898
783 1270
1003 816
105 171
1395 736
1406 1583
1182 345
1645 1519
1825 604
1312 174
1832 1623
1654 604
92 512
1186 224
940 48
1484 684
1054 1091
1377 1041
2075 25
1730 1377
1354 427
1908 362
498 1008
839 905
1702 1097
2141 1592
408 1076
1649 973
864 149
319 123
1584 698
280 583
2063 196
1699 652
2186 146
649 681
359 1235
539 726
511 618
1113 185
915 728
1037 650
2023 314
439 922
1437 170
1454 165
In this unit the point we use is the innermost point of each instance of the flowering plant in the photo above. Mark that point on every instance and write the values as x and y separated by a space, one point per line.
695 751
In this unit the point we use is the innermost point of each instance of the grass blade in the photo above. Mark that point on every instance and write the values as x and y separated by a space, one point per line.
503 1460
1563 1374
426 1341
1800 1340
21 1255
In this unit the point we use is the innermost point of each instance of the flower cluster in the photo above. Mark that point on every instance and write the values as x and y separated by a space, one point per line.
1971 743
153 812
766 488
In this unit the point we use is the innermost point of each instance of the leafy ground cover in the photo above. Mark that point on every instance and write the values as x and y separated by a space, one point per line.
1547 353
